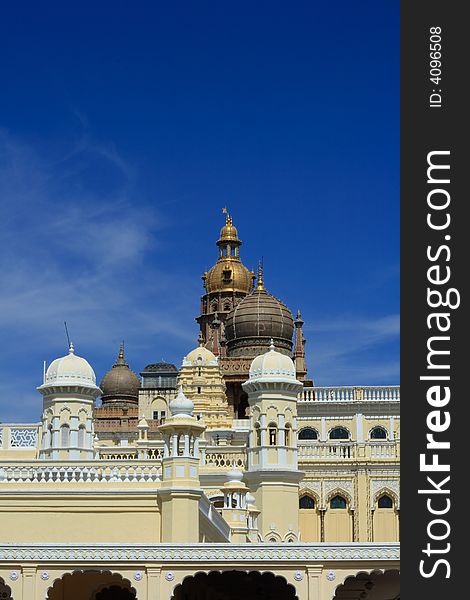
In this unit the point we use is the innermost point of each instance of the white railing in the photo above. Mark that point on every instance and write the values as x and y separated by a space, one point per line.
382 449
107 453
336 451
62 472
223 458
390 393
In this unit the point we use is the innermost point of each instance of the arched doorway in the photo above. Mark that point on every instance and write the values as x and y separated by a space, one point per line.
377 585
91 585
234 585
5 591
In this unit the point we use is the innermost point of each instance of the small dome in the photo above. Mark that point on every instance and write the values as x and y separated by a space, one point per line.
181 406
229 274
200 355
120 384
70 370
272 365
250 499
234 475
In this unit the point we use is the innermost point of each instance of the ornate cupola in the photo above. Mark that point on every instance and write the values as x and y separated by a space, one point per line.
69 391
226 283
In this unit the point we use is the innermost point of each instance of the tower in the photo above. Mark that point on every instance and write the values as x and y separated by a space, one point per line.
181 490
273 472
226 283
69 391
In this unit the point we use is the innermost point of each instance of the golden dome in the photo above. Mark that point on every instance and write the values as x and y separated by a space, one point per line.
229 273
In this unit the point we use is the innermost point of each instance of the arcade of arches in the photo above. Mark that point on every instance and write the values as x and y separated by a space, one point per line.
234 585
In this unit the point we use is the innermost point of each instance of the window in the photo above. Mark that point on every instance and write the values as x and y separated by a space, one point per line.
162 414
378 433
198 390
65 436
338 502
272 430
308 433
81 437
385 502
227 274
288 436
306 502
339 433
155 415
257 434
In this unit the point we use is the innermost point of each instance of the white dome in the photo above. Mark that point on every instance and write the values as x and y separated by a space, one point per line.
272 365
200 355
70 370
181 406
234 475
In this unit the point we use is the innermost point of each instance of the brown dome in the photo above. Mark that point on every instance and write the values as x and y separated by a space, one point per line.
255 320
120 384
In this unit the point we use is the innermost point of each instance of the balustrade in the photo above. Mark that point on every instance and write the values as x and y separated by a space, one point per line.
351 394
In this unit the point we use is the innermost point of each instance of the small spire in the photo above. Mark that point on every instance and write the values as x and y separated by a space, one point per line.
228 218
200 339
120 361
271 346
71 348
260 285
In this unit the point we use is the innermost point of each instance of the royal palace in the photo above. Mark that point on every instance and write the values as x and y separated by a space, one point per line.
230 476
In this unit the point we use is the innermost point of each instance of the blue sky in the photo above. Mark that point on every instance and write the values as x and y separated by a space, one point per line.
126 127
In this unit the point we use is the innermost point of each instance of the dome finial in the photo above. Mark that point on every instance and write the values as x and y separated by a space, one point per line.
71 348
228 218
120 359
200 339
271 346
260 285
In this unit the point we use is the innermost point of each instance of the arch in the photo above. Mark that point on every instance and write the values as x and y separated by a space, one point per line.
306 502
308 433
378 433
231 585
384 583
385 501
386 491
5 590
339 433
339 491
91 583
257 434
338 502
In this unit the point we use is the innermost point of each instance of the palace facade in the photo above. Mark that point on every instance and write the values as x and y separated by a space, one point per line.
229 476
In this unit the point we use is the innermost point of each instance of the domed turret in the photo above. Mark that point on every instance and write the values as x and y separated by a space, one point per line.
70 370
229 273
120 384
272 365
257 319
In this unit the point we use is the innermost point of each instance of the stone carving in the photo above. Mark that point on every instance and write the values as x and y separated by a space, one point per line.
22 438
342 485
385 485
138 575
331 575
199 553
298 576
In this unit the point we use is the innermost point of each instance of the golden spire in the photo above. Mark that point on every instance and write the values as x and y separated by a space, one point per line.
228 218
260 285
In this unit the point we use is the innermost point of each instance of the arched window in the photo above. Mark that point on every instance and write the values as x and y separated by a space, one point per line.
288 434
81 436
306 502
308 433
257 434
378 433
339 433
338 502
385 502
272 432
65 436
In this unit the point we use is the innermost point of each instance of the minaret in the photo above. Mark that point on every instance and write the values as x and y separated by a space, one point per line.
69 391
273 475
299 351
181 489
